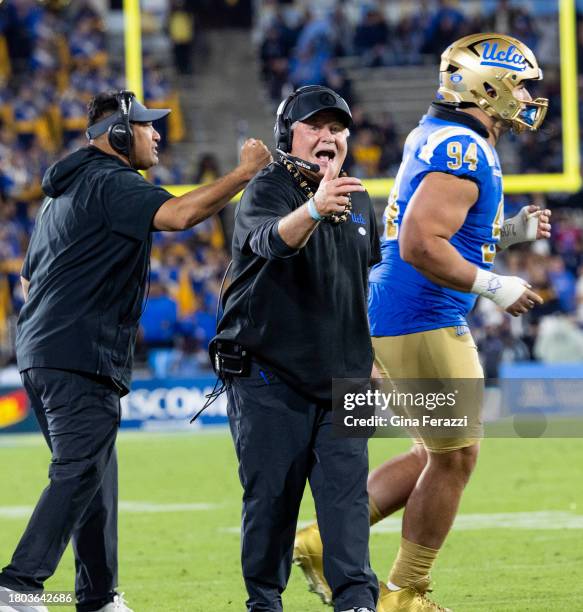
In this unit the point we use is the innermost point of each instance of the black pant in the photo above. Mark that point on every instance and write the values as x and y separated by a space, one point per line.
282 439
79 417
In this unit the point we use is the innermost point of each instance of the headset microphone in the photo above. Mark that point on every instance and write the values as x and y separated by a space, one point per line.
305 165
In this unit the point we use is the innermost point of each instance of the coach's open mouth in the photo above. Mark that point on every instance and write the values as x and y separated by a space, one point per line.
325 154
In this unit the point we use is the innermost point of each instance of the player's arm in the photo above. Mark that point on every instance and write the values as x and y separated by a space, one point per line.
182 212
25 284
435 213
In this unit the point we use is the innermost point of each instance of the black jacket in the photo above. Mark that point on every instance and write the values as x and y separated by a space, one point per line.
302 312
87 264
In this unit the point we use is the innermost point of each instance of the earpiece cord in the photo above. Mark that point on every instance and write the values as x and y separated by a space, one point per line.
211 397
215 393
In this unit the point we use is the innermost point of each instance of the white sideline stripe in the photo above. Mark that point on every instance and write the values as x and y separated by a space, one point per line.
149 507
19 440
12 512
475 522
503 520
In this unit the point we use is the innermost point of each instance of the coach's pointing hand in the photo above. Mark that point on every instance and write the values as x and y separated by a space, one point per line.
254 156
332 194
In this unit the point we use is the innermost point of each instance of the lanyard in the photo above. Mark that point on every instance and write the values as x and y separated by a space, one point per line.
334 218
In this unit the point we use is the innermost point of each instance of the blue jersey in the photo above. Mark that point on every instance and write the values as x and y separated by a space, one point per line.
402 300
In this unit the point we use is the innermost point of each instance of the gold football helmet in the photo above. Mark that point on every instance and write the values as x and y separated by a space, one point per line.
484 70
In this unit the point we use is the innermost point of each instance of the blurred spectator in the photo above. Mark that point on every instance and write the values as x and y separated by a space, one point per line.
371 38
273 49
512 18
87 44
170 170
53 59
208 169
389 141
19 21
341 32
188 359
307 65
490 348
446 26
29 119
181 27
49 57
360 120
316 37
563 283
304 48
409 38
366 154
160 318
559 340
498 345
336 80
73 114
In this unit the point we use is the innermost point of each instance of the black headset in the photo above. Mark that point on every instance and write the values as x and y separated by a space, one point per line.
120 135
284 121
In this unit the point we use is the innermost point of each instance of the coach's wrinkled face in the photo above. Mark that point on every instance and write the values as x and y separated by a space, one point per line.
321 139
145 145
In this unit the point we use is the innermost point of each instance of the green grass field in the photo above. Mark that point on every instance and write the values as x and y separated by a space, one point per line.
518 545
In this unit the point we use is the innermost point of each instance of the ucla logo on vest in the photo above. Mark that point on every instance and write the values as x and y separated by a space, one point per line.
510 58
358 218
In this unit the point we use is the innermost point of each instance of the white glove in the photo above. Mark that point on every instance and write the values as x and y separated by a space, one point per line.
522 228
502 290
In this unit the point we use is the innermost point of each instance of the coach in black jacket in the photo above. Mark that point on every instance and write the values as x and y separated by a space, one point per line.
303 242
84 278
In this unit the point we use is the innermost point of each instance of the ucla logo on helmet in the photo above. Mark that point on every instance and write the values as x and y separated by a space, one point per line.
509 58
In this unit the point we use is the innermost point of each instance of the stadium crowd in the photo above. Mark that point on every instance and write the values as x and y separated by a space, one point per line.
52 61
299 45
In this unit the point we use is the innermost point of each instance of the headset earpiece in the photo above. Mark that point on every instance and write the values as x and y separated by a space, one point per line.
120 135
283 135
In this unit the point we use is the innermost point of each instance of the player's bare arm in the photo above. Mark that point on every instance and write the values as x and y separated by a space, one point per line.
182 212
435 213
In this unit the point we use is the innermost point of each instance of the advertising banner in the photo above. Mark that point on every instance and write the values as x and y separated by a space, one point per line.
155 404
160 404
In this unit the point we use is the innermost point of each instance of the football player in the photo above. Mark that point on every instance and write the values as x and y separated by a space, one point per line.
444 224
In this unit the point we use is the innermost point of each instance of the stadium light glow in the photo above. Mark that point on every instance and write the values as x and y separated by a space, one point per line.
567 181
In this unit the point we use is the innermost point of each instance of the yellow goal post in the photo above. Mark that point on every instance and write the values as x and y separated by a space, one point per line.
569 180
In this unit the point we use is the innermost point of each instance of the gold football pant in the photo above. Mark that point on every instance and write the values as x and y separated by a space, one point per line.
445 353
